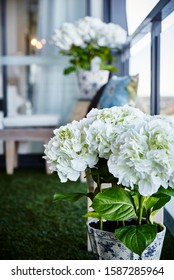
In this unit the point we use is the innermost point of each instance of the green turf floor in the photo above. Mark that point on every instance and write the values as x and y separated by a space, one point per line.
33 227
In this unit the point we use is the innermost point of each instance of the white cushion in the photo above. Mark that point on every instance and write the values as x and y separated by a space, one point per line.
31 121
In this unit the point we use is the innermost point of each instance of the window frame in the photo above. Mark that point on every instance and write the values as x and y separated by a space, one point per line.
152 24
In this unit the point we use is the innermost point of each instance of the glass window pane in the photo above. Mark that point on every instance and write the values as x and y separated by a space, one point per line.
167 62
137 11
140 64
28 19
35 71
40 74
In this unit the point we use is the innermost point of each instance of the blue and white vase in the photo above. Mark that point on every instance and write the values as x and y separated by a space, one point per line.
105 246
91 81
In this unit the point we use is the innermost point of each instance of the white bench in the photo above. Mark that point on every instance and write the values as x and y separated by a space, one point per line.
25 128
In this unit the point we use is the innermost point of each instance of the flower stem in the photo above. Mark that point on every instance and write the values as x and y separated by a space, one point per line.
99 185
140 214
147 216
101 223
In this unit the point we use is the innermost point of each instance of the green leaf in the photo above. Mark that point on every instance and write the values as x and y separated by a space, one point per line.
109 67
69 70
135 197
162 200
68 196
137 238
114 204
169 191
149 202
92 215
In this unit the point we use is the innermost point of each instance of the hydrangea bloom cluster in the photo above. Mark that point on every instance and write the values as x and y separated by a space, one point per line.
68 153
138 148
87 39
89 30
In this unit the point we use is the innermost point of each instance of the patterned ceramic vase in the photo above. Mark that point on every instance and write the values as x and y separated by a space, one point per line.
105 246
90 81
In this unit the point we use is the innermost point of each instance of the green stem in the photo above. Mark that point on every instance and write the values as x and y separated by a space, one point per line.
101 223
140 214
148 215
101 219
99 185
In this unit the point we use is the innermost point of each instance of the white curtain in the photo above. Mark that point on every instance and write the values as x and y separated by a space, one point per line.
53 91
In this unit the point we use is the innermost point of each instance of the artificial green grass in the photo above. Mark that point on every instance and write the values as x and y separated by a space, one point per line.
33 227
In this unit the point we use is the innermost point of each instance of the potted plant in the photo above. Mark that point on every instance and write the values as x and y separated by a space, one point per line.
89 43
132 151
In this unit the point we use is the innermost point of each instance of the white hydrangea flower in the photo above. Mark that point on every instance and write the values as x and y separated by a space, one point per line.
139 148
106 124
111 35
67 152
88 28
145 156
67 36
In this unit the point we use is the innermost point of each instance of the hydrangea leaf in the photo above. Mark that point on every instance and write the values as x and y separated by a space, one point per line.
169 191
114 204
137 237
68 196
149 202
91 215
162 200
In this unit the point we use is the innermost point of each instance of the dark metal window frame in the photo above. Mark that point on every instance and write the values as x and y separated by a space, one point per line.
152 24
115 11
3 102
